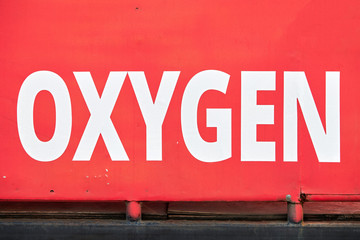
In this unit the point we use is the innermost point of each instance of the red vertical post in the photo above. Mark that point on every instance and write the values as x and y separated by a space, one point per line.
294 211
133 211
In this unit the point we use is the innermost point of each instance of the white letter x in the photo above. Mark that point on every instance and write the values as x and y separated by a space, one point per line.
99 121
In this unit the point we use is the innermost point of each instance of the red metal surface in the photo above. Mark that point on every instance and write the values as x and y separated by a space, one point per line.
156 36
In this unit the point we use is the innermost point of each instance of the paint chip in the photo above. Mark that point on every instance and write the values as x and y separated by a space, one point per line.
4 176
106 170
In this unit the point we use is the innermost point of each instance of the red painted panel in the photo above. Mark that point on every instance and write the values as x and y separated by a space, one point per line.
155 36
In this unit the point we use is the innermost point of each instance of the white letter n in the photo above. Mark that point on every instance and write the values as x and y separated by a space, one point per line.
326 144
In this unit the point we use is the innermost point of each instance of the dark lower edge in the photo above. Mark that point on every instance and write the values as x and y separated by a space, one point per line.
173 229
